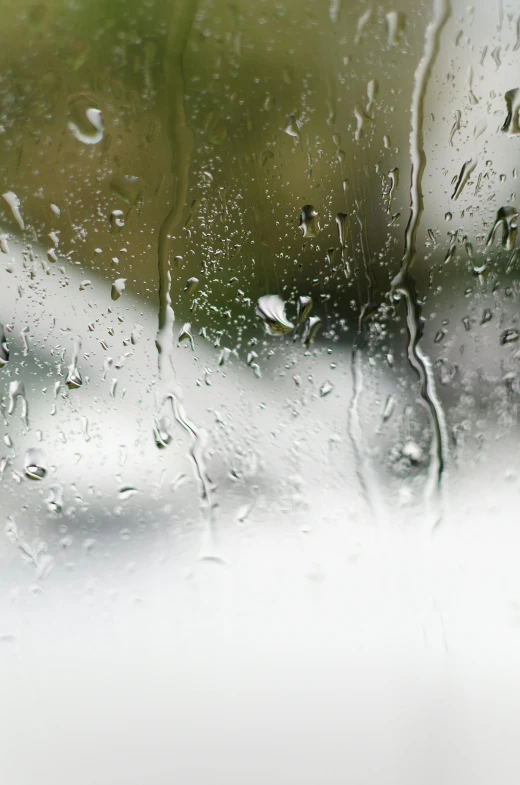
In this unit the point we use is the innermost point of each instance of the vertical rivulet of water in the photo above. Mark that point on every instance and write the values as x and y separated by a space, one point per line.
403 284
181 145
365 473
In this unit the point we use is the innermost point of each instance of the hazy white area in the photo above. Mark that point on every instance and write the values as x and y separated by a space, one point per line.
318 645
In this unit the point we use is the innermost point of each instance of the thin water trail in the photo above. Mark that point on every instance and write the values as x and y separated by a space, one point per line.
367 480
365 473
404 283
181 143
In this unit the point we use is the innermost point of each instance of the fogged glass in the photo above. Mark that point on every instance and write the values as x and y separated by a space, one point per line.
259 392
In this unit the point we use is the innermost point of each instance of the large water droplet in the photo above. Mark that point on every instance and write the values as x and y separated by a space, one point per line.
35 464
372 89
361 118
312 325
4 349
118 288
161 432
271 310
395 25
309 223
341 223
54 500
303 308
361 24
291 127
464 175
186 334
17 390
86 123
456 125
127 188
326 388
393 183
74 380
117 220
13 202
511 125
506 218
191 285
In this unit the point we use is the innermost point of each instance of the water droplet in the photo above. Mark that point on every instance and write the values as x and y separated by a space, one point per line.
127 492
445 371
464 175
361 118
4 349
35 464
395 25
509 336
117 220
341 223
271 310
74 380
389 407
448 216
224 356
469 86
44 566
161 432
413 452
393 180
512 259
25 340
127 187
84 428
303 308
511 125
480 127
243 512
17 390
325 389
506 218
12 201
191 285
291 127
372 89
118 288
450 253
135 335
456 125
309 223
466 322
54 500
481 269
312 326
487 316
86 124
186 334
362 22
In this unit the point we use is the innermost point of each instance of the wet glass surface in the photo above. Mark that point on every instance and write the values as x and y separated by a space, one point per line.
259 283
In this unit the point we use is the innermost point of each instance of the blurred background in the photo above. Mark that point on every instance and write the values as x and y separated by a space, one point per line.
266 551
